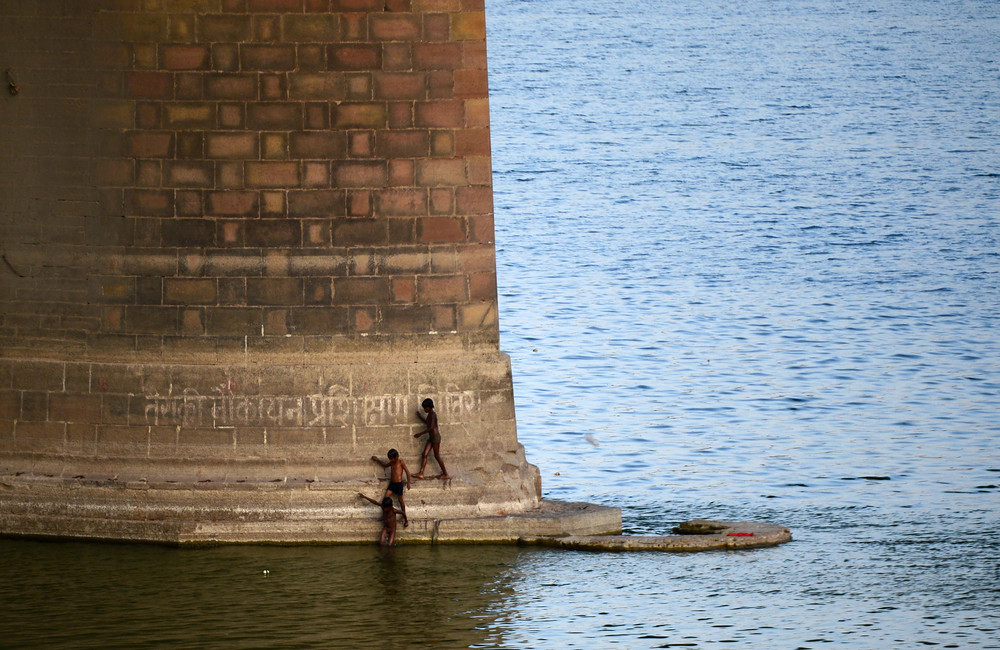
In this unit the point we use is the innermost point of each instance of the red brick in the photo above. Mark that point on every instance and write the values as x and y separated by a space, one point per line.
436 27
437 56
474 200
474 55
316 85
359 116
149 85
354 57
477 258
481 228
472 142
483 286
358 5
225 57
231 86
266 28
316 203
239 146
400 85
150 144
360 232
442 114
401 173
267 57
471 83
442 200
440 229
275 5
213 28
402 202
233 203
404 289
398 5
360 174
360 291
432 173
184 57
272 174
359 203
273 87
274 116
310 28
395 27
273 232
323 144
149 203
188 174
402 144
397 56
317 116
438 289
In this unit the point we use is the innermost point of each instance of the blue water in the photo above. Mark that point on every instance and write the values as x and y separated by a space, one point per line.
748 269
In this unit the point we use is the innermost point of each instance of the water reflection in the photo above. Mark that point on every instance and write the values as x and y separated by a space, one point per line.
100 595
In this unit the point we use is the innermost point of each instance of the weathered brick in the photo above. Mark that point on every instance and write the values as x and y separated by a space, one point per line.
477 258
42 437
400 85
151 320
364 56
316 203
437 289
402 202
437 26
225 57
150 203
275 5
274 291
360 291
322 144
184 57
358 5
478 316
189 115
360 232
359 116
443 318
183 291
437 56
233 203
474 55
316 174
474 200
233 321
311 56
440 229
404 289
238 146
360 174
273 232
187 232
395 27
310 27
447 114
149 85
317 291
359 203
273 87
231 86
318 320
471 83
316 85
272 174
472 142
189 203
276 116
477 113
267 57
190 145
213 28
440 84
443 144
188 174
38 375
150 144
441 172
483 286
406 319
468 26
402 143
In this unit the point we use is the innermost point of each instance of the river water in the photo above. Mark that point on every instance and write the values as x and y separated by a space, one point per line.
748 269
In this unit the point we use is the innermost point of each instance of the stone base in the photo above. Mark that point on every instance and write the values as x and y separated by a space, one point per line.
277 513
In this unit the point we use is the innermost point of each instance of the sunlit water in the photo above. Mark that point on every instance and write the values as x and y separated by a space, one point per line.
748 249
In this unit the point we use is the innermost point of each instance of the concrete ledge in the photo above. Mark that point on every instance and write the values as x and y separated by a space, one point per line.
695 535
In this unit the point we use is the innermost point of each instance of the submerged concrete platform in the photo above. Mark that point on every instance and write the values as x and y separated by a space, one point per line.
695 535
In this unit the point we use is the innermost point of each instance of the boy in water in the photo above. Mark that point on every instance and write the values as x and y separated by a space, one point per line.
398 468
388 536
433 440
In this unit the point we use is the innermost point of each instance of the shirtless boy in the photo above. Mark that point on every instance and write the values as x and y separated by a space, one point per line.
433 439
388 536
397 469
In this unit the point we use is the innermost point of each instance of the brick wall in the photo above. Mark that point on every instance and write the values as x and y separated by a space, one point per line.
241 175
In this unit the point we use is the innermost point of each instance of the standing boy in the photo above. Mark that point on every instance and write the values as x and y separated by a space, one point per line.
388 536
397 469
433 439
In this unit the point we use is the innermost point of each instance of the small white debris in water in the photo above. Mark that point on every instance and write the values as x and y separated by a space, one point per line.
592 440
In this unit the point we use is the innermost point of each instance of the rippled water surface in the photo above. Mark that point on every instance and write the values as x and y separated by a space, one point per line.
748 268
